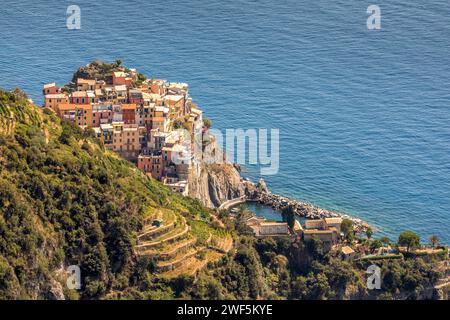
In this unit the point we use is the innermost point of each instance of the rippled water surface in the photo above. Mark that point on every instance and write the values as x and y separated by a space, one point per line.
364 116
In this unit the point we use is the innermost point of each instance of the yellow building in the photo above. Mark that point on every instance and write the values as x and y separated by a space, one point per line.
126 140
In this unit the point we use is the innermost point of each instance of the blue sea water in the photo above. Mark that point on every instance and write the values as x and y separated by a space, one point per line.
364 116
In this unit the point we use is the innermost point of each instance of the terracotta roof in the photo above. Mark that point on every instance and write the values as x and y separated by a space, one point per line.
158 119
67 106
347 250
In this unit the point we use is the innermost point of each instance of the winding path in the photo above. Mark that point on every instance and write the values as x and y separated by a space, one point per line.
230 203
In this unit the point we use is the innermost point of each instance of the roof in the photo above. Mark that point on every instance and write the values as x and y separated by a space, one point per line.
267 224
173 97
161 109
317 231
180 85
313 224
129 106
67 106
73 106
79 94
49 85
86 81
84 106
119 74
158 119
106 126
56 96
333 220
347 250
120 87
196 111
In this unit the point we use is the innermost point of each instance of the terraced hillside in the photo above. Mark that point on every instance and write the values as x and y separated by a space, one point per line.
180 245
65 200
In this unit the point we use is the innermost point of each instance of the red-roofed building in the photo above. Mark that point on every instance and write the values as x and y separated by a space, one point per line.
120 78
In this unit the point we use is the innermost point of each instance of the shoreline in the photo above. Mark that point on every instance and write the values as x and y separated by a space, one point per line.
302 209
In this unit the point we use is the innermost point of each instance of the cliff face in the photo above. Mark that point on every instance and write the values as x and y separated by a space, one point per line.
214 181
215 184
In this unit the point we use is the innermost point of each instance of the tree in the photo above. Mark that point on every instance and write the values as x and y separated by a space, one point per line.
288 216
374 245
385 241
369 233
347 227
207 123
409 239
434 240
118 62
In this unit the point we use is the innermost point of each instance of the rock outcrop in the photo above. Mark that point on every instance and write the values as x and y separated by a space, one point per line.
215 184
213 180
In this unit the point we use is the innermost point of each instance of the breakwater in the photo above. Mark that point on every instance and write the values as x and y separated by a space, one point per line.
303 209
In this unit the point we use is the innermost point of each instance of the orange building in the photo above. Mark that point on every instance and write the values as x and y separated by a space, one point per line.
80 114
54 99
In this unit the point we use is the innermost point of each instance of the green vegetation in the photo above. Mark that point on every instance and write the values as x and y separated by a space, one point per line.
64 200
434 240
288 216
207 122
409 239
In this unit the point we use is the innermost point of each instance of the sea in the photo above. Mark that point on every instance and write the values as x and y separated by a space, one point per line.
363 114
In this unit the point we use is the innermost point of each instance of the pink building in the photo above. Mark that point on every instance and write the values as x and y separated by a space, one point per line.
101 114
51 88
121 78
83 97
152 164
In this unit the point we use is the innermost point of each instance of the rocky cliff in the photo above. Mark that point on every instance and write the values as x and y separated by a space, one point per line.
213 180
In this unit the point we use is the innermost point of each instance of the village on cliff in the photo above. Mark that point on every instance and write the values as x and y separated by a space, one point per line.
140 118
